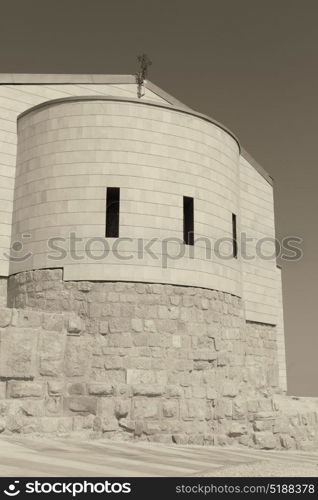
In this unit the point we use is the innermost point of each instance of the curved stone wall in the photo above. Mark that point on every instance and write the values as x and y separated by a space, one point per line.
142 361
152 361
70 152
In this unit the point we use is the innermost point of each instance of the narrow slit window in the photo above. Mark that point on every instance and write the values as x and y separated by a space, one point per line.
188 221
112 212
234 235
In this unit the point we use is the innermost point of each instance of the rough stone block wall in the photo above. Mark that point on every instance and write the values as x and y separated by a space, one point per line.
147 361
3 290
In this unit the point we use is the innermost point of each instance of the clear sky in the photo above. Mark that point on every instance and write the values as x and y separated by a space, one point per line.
251 64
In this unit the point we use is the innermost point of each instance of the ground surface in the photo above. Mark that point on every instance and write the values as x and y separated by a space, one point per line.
69 458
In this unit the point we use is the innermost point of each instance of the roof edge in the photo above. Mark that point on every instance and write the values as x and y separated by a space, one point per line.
79 78
257 166
188 111
61 78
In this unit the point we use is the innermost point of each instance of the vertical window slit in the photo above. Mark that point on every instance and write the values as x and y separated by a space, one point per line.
234 235
112 212
188 221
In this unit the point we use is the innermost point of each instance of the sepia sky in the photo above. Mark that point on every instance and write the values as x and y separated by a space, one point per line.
251 64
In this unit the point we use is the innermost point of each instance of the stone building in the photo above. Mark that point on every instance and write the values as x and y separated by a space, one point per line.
140 292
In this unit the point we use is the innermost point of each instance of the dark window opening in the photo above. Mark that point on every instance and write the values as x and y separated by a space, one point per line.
234 235
188 221
112 212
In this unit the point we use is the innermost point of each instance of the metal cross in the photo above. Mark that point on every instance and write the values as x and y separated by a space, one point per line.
142 74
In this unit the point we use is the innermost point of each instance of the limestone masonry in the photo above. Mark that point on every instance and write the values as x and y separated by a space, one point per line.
177 344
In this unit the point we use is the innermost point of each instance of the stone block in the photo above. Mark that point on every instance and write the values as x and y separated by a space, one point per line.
51 353
103 327
140 340
198 391
265 415
27 319
106 410
127 310
16 422
238 429
170 326
21 389
148 408
53 425
156 340
32 407
239 409
281 425
201 365
252 405
53 405
181 438
5 316
113 362
136 377
77 389
64 425
168 312
3 388
95 310
150 326
265 440
2 425
85 422
230 389
196 439
77 357
74 325
18 353
204 354
191 409
170 409
53 322
175 300
183 365
287 442
122 409
55 387
127 424
223 359
211 393
109 426
176 341
114 377
174 391
119 325
120 340
150 390
113 297
141 363
141 288
223 409
111 309
263 425
81 404
48 425
245 440
84 286
137 325
100 389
